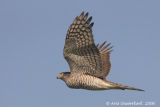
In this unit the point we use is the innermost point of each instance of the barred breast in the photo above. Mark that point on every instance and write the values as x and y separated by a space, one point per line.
87 82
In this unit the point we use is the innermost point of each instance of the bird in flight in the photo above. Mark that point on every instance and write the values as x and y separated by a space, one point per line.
89 63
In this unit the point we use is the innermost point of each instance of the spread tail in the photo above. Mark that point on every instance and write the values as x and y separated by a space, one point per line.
122 87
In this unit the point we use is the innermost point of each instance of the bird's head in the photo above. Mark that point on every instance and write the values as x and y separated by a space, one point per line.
63 75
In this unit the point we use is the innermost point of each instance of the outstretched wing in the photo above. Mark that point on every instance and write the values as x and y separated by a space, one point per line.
105 51
80 51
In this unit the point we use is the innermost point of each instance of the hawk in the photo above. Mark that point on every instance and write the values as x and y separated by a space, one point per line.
89 63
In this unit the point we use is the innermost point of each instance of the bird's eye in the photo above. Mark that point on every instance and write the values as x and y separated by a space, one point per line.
60 75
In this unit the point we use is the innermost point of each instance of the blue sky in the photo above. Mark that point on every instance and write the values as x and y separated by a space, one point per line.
32 36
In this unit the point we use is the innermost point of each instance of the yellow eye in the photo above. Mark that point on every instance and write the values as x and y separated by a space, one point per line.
60 75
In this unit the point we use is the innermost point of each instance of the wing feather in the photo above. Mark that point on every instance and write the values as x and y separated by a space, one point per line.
80 51
105 51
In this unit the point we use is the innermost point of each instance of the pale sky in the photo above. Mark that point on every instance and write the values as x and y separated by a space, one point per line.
32 36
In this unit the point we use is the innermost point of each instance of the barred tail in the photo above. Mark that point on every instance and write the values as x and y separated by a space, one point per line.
123 87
